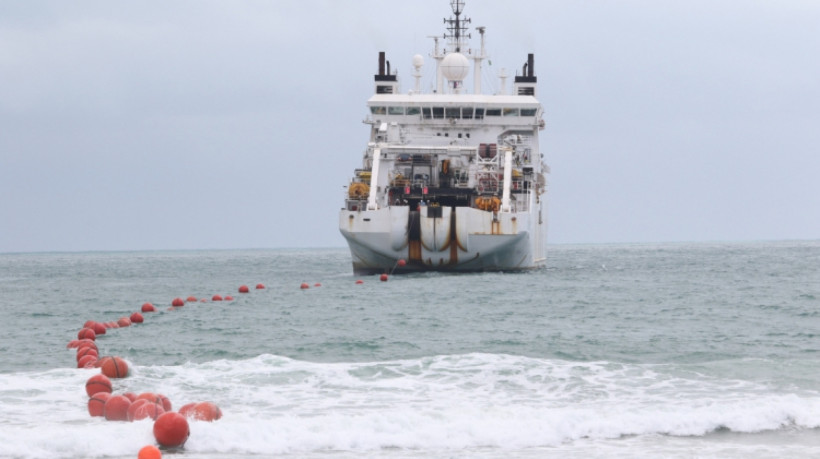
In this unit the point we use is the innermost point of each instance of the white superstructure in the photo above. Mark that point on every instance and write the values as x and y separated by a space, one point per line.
451 180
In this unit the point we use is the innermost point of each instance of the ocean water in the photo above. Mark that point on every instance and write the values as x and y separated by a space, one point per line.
661 350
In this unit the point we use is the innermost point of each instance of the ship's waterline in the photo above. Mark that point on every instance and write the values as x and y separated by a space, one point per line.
464 240
451 180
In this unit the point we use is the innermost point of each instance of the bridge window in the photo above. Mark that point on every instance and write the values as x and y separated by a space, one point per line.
479 113
427 112
438 113
528 111
493 112
467 113
378 110
395 110
510 112
413 110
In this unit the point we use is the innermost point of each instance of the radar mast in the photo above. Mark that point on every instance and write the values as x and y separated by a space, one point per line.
457 26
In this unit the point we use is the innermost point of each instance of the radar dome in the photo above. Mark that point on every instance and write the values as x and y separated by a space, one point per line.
455 66
418 61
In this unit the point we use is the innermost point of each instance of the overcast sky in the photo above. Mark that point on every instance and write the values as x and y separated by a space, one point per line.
235 124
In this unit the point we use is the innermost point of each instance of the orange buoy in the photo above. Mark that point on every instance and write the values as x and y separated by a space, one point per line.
124 322
317 285
99 328
84 351
73 344
304 286
206 411
178 302
116 408
401 262
191 299
171 430
97 383
383 278
86 343
228 298
148 307
203 300
132 408
149 452
137 318
96 404
216 298
87 361
87 351
150 396
142 409
114 367
87 333
359 282
243 289
130 396
157 399
260 286
186 409
166 403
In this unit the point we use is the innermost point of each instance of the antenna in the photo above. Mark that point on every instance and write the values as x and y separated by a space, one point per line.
457 26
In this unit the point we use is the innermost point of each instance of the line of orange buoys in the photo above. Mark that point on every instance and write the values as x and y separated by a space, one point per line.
171 429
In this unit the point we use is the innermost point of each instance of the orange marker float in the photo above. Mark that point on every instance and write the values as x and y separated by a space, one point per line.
114 367
96 404
87 333
99 328
206 411
87 361
96 384
171 430
149 452
116 408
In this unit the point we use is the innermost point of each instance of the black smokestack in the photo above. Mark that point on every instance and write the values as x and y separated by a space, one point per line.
530 63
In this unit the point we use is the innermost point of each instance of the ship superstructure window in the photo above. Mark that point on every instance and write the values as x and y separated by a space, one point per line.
466 113
395 110
510 111
378 110
528 111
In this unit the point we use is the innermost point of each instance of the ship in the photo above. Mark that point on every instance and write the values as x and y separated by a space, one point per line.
451 180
